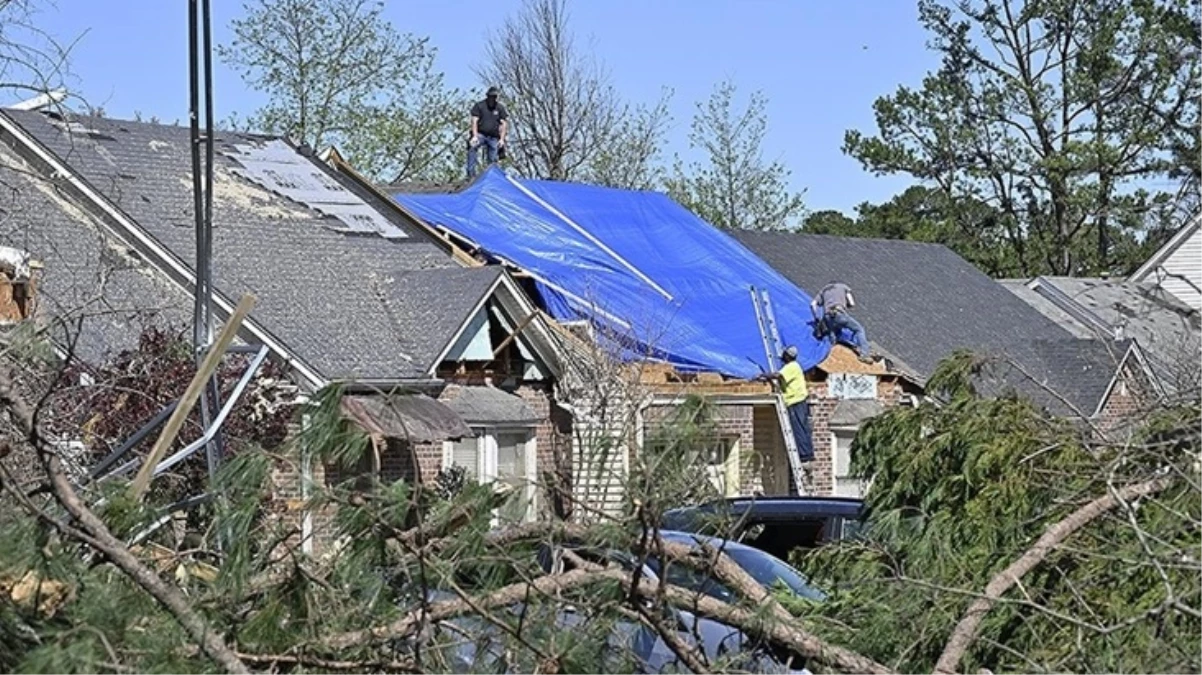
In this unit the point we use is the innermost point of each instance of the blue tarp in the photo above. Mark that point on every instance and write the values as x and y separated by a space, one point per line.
635 263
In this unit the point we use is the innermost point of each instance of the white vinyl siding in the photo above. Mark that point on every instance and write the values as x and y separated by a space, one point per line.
1181 272
1177 266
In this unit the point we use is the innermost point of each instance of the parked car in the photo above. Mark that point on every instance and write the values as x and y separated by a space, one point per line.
469 643
775 525
716 638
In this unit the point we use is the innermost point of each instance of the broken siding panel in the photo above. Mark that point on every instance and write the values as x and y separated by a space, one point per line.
1181 272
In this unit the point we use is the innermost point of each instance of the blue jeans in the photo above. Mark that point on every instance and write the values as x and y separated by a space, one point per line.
842 320
803 432
492 143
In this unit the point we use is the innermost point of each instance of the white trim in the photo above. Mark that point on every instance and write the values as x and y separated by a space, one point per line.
543 348
588 235
1132 352
834 432
487 451
1167 249
306 490
1138 353
165 256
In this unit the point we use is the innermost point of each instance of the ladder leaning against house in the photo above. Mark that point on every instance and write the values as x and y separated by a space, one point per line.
773 348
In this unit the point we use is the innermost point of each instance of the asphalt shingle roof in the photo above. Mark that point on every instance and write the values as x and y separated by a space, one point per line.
1067 377
323 293
488 405
1168 331
104 294
922 302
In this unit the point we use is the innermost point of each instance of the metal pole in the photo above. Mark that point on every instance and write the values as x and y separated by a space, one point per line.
200 307
213 394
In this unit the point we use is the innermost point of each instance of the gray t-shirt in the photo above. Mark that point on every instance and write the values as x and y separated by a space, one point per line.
834 296
490 120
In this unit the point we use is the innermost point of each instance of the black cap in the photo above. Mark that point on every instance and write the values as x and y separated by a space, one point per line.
492 92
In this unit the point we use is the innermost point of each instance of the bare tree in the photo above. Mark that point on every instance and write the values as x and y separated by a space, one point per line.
31 60
568 121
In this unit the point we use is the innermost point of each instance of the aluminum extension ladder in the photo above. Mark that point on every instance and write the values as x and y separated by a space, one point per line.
773 348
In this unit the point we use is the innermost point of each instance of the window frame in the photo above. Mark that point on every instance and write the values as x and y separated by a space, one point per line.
486 460
848 432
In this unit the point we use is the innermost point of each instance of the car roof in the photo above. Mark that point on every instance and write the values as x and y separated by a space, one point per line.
717 542
781 506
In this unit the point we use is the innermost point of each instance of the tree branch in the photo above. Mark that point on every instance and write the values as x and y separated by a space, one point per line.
966 630
101 539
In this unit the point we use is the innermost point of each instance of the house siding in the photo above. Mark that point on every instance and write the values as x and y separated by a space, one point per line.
889 393
1181 271
764 466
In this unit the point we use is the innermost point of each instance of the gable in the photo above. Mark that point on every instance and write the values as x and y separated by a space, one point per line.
504 327
1181 272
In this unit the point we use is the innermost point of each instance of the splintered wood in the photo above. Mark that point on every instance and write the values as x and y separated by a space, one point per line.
843 360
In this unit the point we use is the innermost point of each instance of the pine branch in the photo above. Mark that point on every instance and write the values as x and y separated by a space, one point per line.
100 538
446 609
965 632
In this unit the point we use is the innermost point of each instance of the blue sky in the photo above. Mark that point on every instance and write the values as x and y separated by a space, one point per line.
821 63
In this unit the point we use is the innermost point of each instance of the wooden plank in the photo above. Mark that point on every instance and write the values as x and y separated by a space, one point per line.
512 336
211 360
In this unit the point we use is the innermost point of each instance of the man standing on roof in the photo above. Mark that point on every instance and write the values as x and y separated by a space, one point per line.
831 309
793 389
490 121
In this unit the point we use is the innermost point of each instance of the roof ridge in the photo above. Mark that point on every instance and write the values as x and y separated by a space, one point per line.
1044 287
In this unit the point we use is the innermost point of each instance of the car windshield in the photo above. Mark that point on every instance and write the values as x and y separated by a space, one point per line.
764 568
768 569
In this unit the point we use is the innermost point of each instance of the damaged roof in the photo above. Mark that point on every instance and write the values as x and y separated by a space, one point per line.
102 290
1168 331
352 288
1068 377
490 406
922 302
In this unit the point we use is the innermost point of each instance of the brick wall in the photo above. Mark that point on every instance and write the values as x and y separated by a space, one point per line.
1128 400
888 392
823 467
553 437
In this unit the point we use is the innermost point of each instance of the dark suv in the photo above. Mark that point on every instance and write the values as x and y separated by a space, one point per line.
776 525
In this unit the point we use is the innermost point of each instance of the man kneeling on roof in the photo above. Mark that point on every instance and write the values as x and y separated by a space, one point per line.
831 309
794 390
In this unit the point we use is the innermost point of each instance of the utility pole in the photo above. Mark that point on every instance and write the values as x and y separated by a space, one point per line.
200 61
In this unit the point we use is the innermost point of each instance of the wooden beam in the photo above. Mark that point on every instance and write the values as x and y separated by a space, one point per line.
211 360
510 338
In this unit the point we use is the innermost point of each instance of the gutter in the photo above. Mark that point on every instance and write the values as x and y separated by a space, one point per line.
381 386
